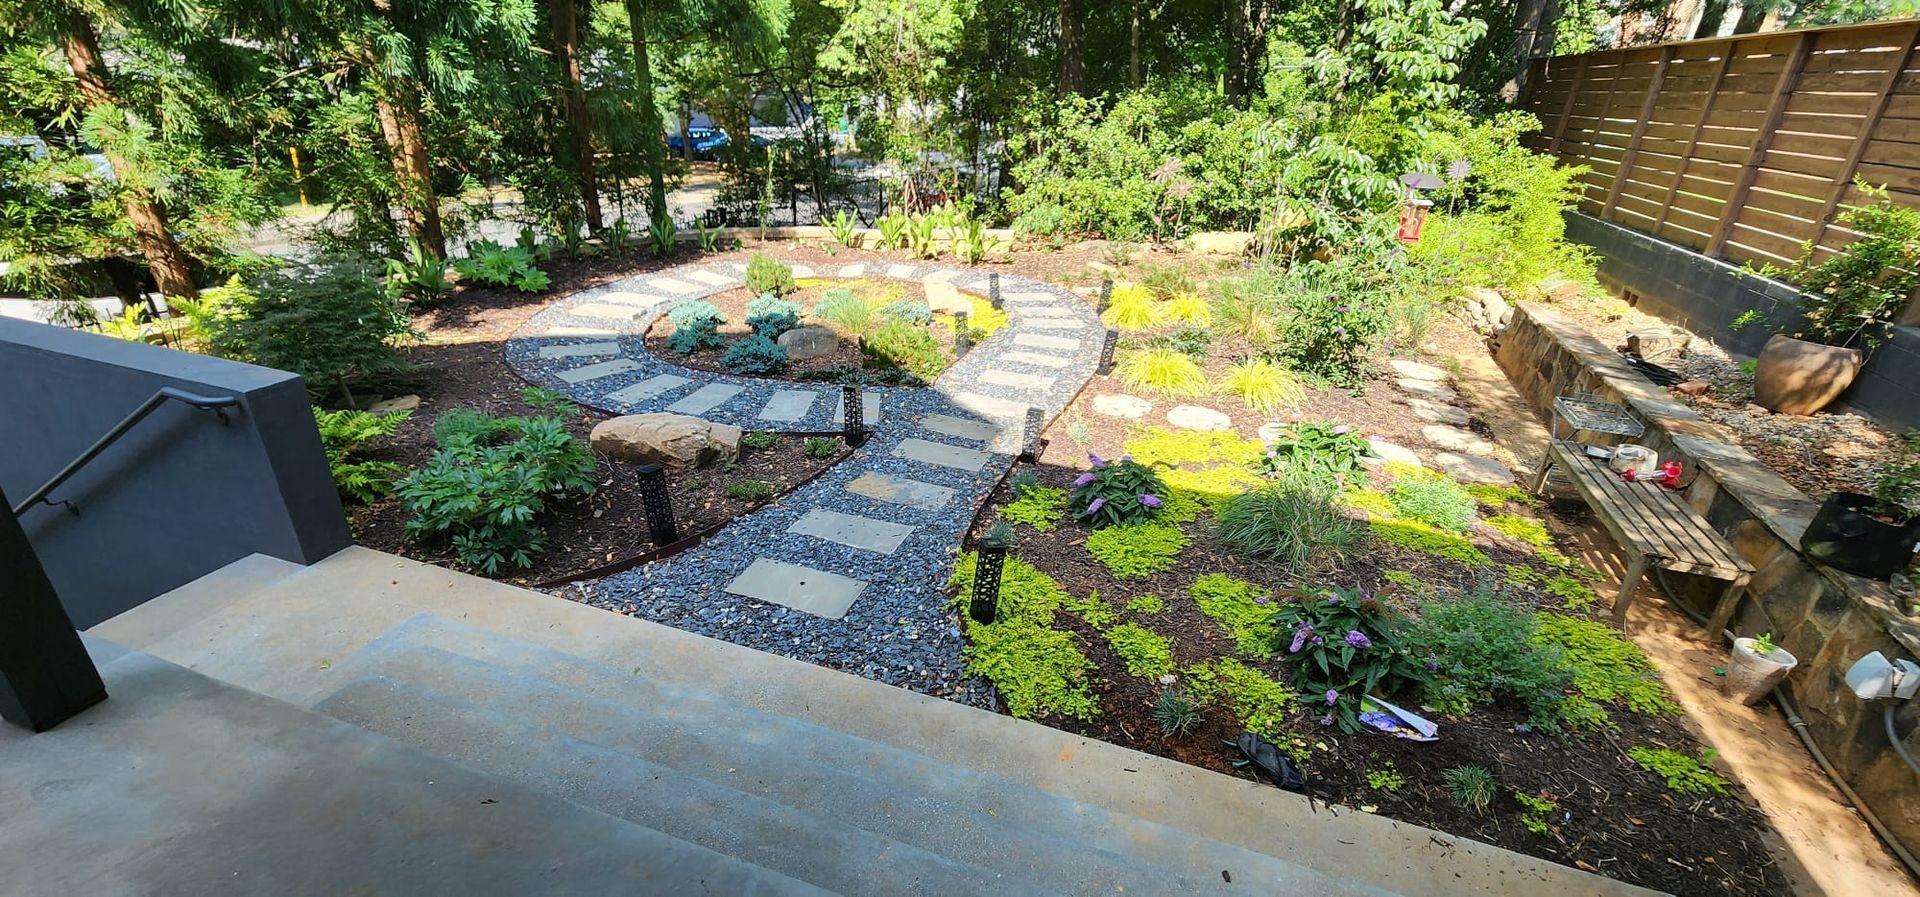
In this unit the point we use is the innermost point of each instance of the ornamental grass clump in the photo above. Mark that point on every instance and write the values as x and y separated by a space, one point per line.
1133 307
1118 492
1436 501
1168 372
1292 521
1346 645
1262 385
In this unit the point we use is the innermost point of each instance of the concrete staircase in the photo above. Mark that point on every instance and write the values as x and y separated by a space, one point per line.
737 769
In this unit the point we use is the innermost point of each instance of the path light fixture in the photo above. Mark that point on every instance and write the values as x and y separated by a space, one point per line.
984 605
657 505
853 416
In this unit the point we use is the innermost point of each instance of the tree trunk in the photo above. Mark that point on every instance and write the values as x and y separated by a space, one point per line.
1073 47
1534 30
565 21
397 105
1235 79
1712 15
1133 46
650 125
165 259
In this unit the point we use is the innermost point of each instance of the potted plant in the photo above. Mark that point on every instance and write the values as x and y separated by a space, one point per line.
1758 665
1848 305
1871 535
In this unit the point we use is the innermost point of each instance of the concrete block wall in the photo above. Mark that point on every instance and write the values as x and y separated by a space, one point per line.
1705 295
181 494
1826 618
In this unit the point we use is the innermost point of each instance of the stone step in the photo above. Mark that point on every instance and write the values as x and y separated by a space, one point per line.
705 399
672 286
940 454
579 331
725 818
621 297
789 405
1004 410
816 592
948 425
855 270
900 272
1036 310
1054 324
1018 380
606 310
1043 341
1036 358
879 536
711 278
580 350
585 373
959 813
196 600
901 491
650 388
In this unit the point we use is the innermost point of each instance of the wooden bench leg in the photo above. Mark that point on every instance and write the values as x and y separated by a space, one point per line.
1636 571
1540 470
1722 612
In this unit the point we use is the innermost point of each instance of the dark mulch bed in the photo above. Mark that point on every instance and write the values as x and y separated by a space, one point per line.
1613 818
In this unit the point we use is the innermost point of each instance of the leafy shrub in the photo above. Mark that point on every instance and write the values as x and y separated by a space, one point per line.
1436 501
550 402
1482 649
820 447
688 340
1854 298
488 498
767 275
695 313
1176 713
905 346
750 490
1264 386
1243 608
756 354
1146 653
1040 507
842 225
1117 492
1291 521
696 326
1333 450
771 316
1038 669
1146 604
844 310
1194 342
1607 668
759 440
1164 371
1896 486
1684 775
490 263
1346 645
1329 318
328 321
1472 787
1258 703
422 281
907 311
469 425
1133 307
359 481
1136 550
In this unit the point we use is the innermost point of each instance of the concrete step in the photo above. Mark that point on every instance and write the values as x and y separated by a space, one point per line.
181 784
958 812
195 601
821 851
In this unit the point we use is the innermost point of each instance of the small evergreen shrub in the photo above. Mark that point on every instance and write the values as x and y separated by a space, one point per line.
771 316
1244 609
1176 713
696 313
1164 371
767 275
1117 492
909 347
1437 502
756 355
487 498
1136 550
844 310
759 440
1146 653
696 326
907 311
328 321
1291 521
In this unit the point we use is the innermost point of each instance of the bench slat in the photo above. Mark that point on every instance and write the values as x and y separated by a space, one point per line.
1649 520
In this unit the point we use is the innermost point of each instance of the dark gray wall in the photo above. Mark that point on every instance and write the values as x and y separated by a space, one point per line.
181 495
1704 295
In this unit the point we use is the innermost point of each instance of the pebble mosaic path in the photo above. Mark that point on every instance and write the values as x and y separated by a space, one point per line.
847 571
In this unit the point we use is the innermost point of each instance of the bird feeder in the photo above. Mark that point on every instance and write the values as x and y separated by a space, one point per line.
1413 211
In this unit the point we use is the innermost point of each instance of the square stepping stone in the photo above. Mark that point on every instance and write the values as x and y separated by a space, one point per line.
1035 358
596 371
1044 311
849 529
789 405
605 310
942 296
869 407
816 592
901 491
670 285
579 331
1030 297
705 399
940 454
1043 341
942 274
649 388
900 272
710 278
625 298
992 406
961 427
580 350
1017 380
1055 324
853 270
800 271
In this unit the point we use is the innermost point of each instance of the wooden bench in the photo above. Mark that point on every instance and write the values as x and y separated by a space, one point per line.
1653 526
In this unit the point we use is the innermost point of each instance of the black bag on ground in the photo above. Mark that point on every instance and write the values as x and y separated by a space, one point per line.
1268 759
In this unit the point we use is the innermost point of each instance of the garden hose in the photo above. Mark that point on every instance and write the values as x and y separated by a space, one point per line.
1799 727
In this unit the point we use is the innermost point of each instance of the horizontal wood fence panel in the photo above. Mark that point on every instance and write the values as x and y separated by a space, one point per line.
1745 148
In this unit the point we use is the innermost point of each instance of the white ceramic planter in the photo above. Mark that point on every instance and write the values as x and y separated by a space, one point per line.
1751 675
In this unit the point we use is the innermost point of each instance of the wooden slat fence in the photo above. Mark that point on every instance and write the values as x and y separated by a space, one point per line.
1741 148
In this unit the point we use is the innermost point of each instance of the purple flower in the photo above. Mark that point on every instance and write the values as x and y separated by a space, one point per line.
1149 500
1433 664
1342 430
1262 600
1358 639
1340 331
1344 309
1094 506
1300 638
1097 463
1126 459
1082 480
1318 641
1327 720
1332 696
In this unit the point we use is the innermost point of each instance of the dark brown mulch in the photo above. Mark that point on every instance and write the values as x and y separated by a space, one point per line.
1612 818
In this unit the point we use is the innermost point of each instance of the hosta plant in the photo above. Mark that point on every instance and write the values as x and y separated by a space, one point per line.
1117 492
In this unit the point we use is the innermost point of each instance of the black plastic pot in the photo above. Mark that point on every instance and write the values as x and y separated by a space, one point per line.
1846 536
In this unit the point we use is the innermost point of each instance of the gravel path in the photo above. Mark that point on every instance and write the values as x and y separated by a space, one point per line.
934 456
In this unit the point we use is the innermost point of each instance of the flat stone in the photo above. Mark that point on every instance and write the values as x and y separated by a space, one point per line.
674 441
853 270
1044 311
1417 371
596 371
1469 469
941 454
579 331
1043 341
900 272
1438 413
992 406
789 405
1055 324
942 274
670 285
606 310
869 407
649 388
1017 380
901 491
943 296
800 271
1035 358
1029 296
407 402
1389 452
851 529
816 592
961 427
1221 242
579 350
1428 389
705 399
1194 417
622 297
810 341
710 278
1454 439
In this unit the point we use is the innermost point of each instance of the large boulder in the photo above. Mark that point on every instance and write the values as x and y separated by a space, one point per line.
673 441
807 342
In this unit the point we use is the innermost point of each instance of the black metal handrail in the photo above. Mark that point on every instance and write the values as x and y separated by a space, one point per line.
166 393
